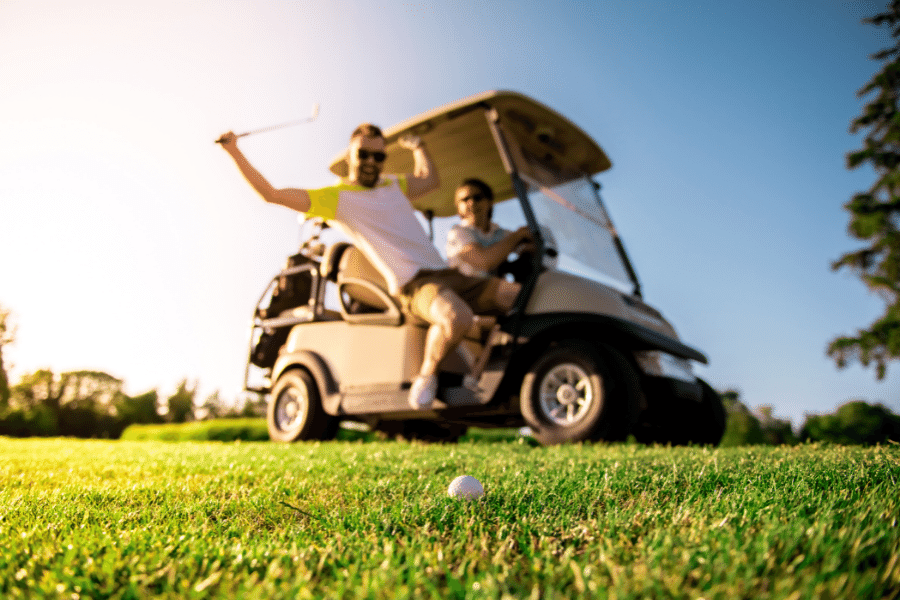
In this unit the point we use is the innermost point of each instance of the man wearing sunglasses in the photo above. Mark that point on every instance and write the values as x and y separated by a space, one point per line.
374 211
476 245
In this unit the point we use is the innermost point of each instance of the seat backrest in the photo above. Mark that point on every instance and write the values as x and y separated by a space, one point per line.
328 269
354 265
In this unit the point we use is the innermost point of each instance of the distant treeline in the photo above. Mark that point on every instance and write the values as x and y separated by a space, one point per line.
91 404
854 423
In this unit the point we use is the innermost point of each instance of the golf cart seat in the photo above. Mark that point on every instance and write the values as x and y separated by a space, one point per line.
363 295
362 290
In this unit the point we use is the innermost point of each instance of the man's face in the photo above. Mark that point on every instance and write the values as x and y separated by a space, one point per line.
365 171
472 206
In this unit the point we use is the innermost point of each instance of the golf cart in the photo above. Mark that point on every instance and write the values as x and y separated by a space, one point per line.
581 357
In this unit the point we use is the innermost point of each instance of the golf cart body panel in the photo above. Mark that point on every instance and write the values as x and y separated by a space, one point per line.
350 381
558 291
315 364
624 333
561 297
580 357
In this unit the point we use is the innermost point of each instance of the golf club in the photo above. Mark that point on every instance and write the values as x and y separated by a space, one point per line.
315 114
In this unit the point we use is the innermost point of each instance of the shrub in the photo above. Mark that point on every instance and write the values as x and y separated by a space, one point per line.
855 422
221 430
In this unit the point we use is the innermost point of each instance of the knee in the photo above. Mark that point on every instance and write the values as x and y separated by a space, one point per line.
507 291
462 321
452 314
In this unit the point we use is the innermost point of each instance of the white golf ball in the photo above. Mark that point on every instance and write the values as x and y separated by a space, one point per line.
465 486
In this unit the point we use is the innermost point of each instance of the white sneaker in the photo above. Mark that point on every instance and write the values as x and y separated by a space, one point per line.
422 392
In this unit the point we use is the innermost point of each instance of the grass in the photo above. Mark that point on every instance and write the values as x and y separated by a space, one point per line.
255 430
104 519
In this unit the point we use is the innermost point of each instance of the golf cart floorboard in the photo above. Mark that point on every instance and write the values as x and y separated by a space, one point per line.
358 403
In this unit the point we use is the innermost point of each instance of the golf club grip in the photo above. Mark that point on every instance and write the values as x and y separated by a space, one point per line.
221 140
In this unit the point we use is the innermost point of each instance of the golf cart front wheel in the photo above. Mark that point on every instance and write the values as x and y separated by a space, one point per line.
295 410
570 395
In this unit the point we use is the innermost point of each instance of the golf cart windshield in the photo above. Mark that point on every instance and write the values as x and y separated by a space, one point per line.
574 223
582 231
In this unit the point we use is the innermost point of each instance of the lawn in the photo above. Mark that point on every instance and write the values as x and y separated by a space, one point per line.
142 519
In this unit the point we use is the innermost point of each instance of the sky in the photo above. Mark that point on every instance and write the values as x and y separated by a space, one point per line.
130 244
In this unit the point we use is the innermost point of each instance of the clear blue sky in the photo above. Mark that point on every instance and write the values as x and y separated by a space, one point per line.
130 244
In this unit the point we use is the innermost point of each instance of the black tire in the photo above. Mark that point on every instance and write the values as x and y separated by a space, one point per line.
711 418
679 421
295 410
578 391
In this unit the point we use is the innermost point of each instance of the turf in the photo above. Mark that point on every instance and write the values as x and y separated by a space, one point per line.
103 519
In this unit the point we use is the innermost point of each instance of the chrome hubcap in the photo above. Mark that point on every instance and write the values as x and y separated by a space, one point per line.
566 394
291 408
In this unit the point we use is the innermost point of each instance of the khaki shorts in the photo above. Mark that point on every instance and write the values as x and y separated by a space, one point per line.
480 293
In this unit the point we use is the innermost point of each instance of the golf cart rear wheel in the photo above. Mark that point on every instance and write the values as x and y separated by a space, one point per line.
295 411
571 394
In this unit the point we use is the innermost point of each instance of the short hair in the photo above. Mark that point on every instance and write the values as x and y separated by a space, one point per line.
481 186
367 130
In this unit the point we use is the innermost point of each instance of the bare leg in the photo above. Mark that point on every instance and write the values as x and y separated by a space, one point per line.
450 318
506 294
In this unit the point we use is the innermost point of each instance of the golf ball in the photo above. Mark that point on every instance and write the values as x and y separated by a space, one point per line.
465 486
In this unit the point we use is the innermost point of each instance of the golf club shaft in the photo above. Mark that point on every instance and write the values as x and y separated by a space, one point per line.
314 116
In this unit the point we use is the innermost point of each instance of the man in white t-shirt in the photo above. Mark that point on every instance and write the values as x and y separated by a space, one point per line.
476 245
375 212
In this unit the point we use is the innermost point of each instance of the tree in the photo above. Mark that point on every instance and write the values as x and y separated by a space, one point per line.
75 403
875 214
139 409
90 389
180 405
7 336
212 408
41 388
88 404
254 405
741 427
775 431
855 422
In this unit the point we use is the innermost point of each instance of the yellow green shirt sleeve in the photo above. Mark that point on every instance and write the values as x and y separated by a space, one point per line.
323 202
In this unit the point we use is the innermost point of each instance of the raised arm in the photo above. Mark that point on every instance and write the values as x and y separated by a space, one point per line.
296 199
425 176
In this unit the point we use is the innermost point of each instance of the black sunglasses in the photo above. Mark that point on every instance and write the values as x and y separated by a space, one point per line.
377 155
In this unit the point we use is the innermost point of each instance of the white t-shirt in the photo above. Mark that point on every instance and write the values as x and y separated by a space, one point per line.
461 236
382 223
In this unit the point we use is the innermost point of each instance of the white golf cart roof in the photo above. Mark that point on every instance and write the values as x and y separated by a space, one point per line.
544 145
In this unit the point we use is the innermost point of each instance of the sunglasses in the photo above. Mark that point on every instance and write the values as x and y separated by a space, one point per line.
474 198
378 156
